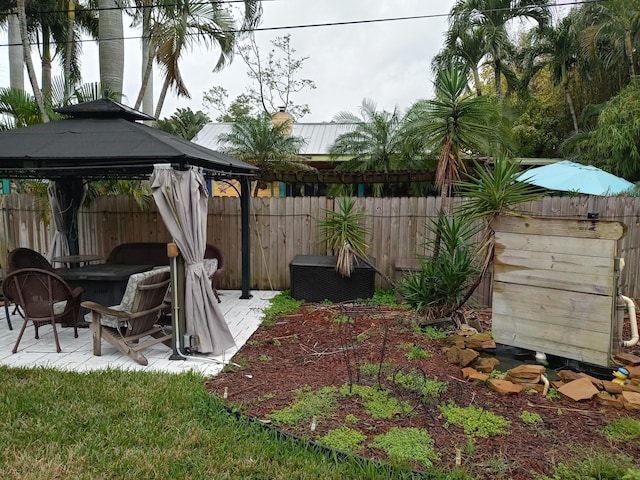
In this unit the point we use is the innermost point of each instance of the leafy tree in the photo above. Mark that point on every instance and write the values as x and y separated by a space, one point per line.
275 81
265 144
215 99
184 123
614 143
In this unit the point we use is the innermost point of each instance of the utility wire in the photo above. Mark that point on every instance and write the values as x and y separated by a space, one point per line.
308 25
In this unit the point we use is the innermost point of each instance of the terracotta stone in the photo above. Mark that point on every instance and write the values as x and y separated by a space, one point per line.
523 370
486 364
631 388
505 387
568 375
627 358
454 341
596 381
480 340
630 400
472 374
634 372
603 398
579 390
461 357
611 387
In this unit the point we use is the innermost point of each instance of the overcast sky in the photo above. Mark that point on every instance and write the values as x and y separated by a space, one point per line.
387 62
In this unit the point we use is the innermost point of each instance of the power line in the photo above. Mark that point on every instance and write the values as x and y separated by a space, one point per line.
309 25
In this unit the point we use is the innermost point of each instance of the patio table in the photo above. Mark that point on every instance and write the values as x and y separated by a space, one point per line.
74 261
103 283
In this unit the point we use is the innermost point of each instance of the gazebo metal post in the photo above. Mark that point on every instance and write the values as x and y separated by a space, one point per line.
245 204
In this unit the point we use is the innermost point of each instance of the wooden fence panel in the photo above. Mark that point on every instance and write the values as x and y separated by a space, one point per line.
284 227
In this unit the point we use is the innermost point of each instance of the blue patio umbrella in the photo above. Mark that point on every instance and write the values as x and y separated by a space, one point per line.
569 176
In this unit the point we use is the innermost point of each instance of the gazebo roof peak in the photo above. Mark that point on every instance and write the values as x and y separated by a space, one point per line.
103 108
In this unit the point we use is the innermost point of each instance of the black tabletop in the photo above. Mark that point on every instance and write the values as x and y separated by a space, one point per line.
102 271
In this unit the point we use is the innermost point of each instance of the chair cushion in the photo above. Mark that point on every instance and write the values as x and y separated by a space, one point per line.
210 266
127 298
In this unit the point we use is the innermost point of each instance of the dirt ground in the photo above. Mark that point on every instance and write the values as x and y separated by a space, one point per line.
308 349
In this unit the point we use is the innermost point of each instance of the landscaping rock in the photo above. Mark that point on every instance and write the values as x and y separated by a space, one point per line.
579 390
611 387
472 374
634 371
526 374
603 398
505 387
461 357
627 359
480 340
630 400
486 364
631 388
568 375
595 381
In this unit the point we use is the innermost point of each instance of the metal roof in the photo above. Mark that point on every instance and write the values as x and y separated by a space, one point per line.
318 136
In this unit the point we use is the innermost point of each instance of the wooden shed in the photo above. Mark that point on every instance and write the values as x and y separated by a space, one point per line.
555 286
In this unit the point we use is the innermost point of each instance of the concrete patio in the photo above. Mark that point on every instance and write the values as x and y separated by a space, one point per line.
242 316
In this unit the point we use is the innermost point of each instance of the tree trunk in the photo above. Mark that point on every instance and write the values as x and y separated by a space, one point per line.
477 82
111 46
572 109
26 47
46 62
161 97
145 95
16 54
628 48
69 49
498 79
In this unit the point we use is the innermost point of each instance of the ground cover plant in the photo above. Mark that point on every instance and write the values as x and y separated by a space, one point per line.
364 379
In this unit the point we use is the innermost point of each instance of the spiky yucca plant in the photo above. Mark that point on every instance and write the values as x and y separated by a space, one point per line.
345 233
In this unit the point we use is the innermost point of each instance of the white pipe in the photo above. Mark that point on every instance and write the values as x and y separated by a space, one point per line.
632 321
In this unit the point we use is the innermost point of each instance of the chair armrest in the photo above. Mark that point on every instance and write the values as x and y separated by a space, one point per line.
96 307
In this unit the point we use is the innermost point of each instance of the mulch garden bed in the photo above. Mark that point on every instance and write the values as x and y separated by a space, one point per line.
317 347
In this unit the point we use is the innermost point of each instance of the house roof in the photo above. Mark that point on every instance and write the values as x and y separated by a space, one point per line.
318 136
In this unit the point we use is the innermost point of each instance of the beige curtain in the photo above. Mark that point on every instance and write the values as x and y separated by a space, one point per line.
181 197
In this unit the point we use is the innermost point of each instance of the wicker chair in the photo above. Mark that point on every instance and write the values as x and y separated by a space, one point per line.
26 258
126 324
44 298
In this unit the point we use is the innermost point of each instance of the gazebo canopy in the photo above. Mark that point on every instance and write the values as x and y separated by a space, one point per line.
102 139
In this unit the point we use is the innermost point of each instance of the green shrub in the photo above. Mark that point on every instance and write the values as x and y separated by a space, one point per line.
623 429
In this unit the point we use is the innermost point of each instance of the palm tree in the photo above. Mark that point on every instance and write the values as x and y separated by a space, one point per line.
559 49
376 143
22 17
464 48
184 123
265 144
170 30
614 34
111 45
453 123
491 18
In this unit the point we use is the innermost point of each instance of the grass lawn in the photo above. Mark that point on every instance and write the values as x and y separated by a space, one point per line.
124 424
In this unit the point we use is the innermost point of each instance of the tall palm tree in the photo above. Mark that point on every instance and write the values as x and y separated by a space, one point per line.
614 33
111 45
26 48
465 48
172 28
452 123
16 55
559 49
184 123
492 18
265 144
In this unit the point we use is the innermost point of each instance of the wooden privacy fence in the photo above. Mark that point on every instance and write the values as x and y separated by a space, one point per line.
284 227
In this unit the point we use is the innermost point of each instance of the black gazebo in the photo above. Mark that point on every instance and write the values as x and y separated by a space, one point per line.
102 139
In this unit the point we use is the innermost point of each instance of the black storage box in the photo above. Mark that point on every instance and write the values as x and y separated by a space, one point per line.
314 278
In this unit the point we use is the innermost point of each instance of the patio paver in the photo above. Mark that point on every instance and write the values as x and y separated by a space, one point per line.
242 316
